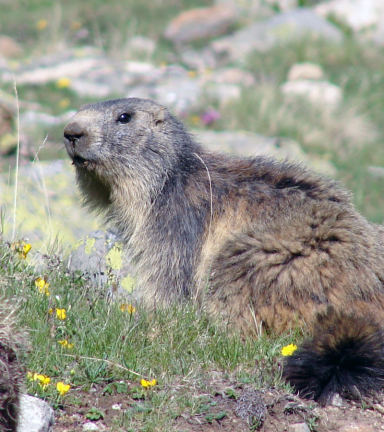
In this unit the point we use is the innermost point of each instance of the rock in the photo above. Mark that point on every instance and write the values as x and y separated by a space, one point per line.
199 60
337 400
89 426
202 23
358 14
35 415
231 75
283 5
281 28
299 427
357 427
305 71
251 407
9 48
141 72
321 93
42 75
141 46
222 93
101 258
176 89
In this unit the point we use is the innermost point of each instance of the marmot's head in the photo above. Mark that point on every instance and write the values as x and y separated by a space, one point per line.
132 144
120 134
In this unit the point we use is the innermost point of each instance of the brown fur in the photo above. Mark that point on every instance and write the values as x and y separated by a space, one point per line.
259 241
262 244
13 346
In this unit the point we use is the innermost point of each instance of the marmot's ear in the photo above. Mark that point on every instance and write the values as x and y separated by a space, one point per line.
158 116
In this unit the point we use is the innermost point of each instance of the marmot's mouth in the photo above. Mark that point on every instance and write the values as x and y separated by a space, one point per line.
80 162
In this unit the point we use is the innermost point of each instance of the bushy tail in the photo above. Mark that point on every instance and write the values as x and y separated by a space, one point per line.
345 356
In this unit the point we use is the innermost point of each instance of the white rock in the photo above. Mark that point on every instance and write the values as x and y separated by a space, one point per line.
89 426
42 75
299 427
284 5
317 92
358 14
35 415
305 70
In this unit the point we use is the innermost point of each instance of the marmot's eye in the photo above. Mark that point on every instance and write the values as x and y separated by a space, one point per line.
124 118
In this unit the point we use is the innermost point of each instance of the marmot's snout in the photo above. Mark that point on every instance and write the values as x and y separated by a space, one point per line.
76 140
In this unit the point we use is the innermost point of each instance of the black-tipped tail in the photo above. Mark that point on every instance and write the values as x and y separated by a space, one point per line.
345 356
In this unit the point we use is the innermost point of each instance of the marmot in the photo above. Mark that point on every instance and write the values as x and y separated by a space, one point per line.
259 242
13 347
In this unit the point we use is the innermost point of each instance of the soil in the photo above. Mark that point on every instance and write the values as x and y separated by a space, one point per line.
276 411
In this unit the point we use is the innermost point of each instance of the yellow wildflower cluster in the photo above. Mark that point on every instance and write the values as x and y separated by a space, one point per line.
148 384
42 285
45 380
64 343
61 314
124 307
288 350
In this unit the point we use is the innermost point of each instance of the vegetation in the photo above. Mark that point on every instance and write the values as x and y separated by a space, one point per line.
161 361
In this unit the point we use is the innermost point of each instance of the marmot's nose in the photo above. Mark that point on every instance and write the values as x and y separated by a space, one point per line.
73 132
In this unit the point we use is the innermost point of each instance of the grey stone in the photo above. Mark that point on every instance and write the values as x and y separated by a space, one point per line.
358 14
89 426
337 400
262 36
299 427
305 70
35 415
42 75
201 23
321 93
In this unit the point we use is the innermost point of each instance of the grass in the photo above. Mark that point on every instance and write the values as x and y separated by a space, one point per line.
114 349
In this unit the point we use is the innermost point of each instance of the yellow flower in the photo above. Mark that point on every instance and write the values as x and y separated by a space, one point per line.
63 83
21 248
50 311
61 314
148 384
30 376
288 350
64 103
44 380
62 388
41 24
192 74
127 308
64 343
42 285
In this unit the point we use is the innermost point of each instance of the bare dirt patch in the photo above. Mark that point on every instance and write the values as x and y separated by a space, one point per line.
219 411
